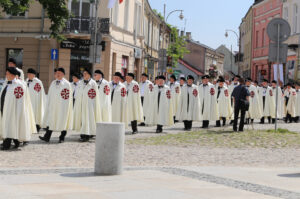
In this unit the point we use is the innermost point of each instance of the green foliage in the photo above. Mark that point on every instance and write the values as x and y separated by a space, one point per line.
56 10
177 48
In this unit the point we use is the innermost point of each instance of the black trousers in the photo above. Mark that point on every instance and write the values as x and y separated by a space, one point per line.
159 127
205 123
188 124
237 110
7 143
38 128
48 134
134 125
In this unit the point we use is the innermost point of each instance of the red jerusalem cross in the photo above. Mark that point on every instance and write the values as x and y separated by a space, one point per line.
123 92
92 93
252 94
37 87
150 87
226 93
18 92
168 93
212 91
135 89
106 90
195 92
65 94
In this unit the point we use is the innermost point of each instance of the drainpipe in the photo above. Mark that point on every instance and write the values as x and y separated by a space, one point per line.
40 43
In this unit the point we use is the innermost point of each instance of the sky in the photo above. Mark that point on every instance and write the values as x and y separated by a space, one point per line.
207 19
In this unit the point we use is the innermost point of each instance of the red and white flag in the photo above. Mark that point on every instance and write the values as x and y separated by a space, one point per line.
112 3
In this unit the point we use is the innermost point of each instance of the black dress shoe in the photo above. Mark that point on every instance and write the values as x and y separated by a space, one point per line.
43 139
142 124
61 141
135 132
84 139
4 149
25 143
158 131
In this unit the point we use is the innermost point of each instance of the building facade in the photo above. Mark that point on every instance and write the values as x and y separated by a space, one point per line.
230 68
263 12
291 13
130 39
246 44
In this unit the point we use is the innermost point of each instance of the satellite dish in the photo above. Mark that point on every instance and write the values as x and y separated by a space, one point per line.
284 32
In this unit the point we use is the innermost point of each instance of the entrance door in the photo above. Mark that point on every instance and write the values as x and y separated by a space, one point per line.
79 61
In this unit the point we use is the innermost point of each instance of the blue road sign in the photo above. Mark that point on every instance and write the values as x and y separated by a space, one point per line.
54 54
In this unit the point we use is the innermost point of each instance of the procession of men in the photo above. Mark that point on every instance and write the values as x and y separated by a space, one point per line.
90 99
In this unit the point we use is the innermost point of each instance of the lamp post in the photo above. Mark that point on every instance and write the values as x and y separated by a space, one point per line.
238 44
181 16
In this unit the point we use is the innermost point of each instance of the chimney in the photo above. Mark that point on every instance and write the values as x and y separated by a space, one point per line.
189 36
182 33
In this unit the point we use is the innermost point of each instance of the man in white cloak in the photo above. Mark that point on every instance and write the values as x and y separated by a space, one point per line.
87 110
224 102
175 91
133 102
262 91
290 96
208 100
59 109
189 104
37 96
146 91
105 95
161 113
16 118
254 111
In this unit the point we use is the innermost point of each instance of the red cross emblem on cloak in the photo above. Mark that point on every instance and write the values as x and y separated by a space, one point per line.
294 93
136 89
150 87
226 93
195 92
123 92
37 87
177 90
168 93
65 94
106 90
271 93
212 91
252 94
18 92
92 93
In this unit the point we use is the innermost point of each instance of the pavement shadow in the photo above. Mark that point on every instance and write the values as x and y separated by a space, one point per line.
219 132
79 175
291 175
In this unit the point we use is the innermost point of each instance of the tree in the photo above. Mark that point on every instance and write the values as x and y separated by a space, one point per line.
56 10
177 48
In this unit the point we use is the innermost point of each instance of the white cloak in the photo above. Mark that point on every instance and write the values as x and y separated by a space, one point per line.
148 92
263 92
17 120
22 74
224 102
175 92
162 114
59 110
118 104
105 100
133 102
291 105
298 103
208 100
189 104
74 88
254 104
38 99
87 110
270 108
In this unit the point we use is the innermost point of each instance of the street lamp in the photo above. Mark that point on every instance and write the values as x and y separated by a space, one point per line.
181 16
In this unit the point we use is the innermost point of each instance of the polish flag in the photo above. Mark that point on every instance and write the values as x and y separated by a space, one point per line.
112 3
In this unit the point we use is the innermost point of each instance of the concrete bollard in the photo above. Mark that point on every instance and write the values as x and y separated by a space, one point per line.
110 141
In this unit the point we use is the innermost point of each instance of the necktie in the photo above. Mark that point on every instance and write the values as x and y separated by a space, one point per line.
188 99
57 82
159 92
86 82
219 91
112 93
3 96
29 81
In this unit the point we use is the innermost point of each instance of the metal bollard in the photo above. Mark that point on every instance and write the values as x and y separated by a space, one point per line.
110 141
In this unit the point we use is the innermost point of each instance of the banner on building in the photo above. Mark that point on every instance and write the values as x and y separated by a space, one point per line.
275 67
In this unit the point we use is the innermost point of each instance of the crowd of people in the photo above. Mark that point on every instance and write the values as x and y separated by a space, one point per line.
89 99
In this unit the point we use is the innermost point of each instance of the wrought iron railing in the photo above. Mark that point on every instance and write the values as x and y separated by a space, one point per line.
86 25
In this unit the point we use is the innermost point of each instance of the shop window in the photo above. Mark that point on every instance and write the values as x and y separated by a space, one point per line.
17 54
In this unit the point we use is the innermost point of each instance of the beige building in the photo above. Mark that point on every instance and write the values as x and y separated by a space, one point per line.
131 39
246 44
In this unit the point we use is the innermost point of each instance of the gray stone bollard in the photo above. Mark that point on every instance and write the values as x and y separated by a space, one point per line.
110 141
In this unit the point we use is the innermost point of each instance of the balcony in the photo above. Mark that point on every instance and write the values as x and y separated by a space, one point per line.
86 25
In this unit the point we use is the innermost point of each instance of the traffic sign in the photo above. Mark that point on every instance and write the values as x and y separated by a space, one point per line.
273 51
54 54
281 26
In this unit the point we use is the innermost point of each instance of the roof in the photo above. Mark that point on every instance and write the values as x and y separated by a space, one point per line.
199 73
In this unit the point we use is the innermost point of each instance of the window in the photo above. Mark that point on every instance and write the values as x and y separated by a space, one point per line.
295 21
256 45
137 18
17 54
126 14
81 8
115 14
263 37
